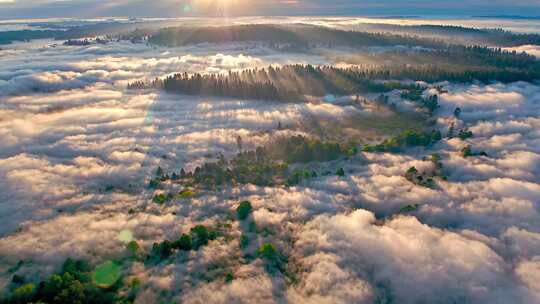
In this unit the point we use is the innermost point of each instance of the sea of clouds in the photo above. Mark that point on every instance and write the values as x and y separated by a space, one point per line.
69 130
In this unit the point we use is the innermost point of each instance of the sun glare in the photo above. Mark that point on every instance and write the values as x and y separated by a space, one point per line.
221 7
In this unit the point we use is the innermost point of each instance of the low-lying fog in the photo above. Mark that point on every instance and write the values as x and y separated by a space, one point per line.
69 130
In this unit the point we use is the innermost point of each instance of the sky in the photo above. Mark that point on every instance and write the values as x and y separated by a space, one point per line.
14 9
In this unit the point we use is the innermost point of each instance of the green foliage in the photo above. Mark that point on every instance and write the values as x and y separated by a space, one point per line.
73 284
272 257
133 247
18 279
413 93
200 236
301 149
135 283
412 170
465 134
409 208
268 252
273 83
161 198
404 140
282 37
252 227
154 183
15 268
468 152
184 243
427 178
340 172
294 82
352 151
243 210
451 130
244 241
186 193
160 251
457 113
268 165
24 294
229 277
431 103
294 179
422 179
436 158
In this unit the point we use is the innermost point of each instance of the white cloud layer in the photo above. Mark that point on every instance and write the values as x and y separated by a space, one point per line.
70 130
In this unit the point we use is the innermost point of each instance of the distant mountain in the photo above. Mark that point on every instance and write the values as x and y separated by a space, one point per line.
456 34
509 17
60 33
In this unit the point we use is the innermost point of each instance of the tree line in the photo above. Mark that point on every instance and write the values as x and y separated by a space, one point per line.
297 36
294 82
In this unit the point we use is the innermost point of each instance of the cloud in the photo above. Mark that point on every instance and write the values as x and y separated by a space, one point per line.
414 261
529 49
78 149
326 282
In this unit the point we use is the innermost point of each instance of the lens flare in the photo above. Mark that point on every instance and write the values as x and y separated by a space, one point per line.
106 274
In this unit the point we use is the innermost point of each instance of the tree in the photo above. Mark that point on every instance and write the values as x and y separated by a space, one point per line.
412 170
73 284
409 208
457 112
239 143
53 286
72 293
243 210
160 199
244 241
161 251
154 183
199 236
431 103
467 151
133 247
268 252
340 172
451 131
184 243
465 134
18 279
24 294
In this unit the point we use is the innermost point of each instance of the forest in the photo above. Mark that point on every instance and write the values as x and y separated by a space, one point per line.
292 37
457 34
301 36
265 166
269 165
293 82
